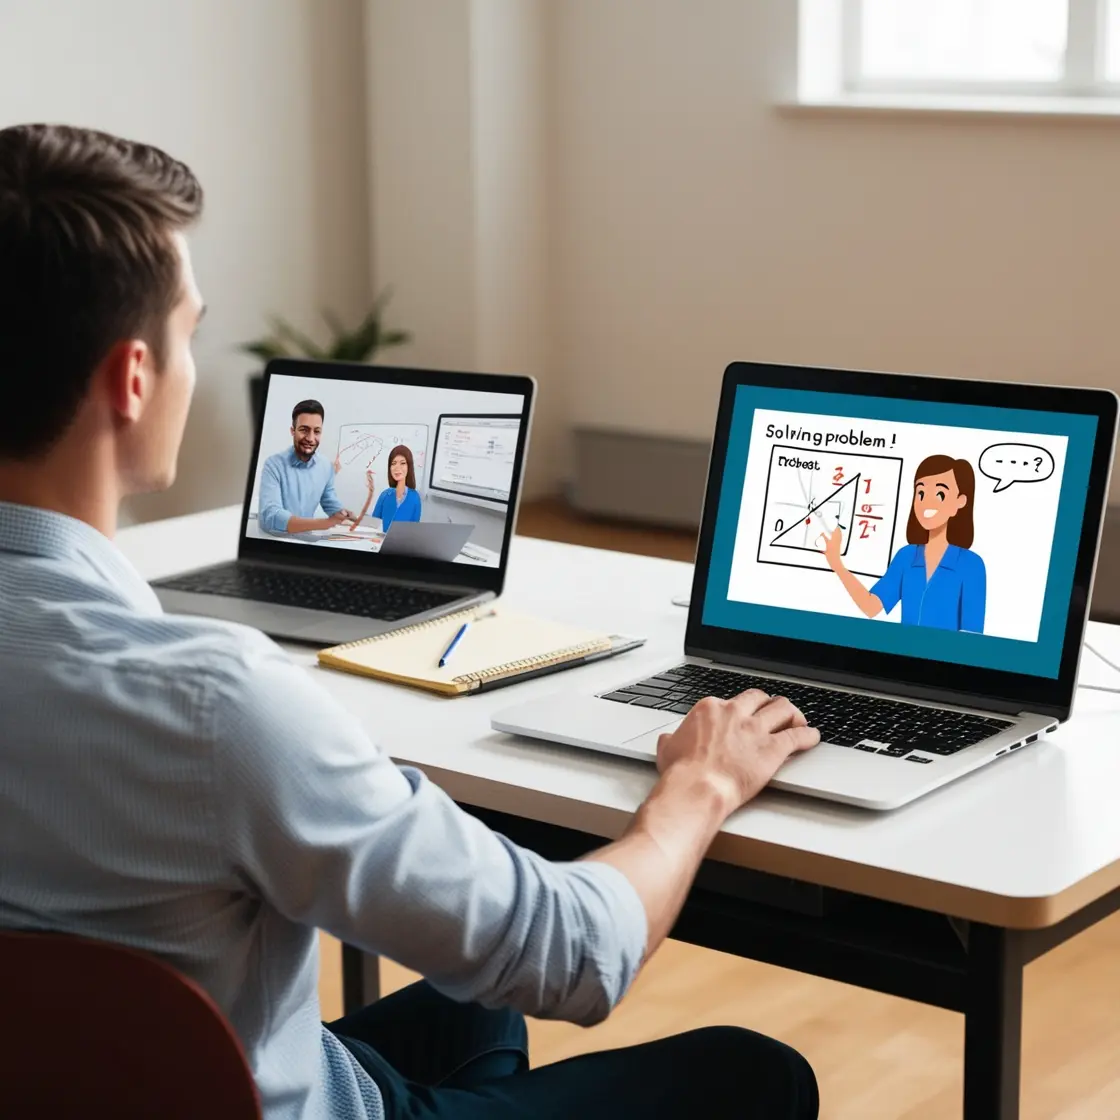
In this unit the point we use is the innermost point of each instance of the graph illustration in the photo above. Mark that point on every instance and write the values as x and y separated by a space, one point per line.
366 446
811 493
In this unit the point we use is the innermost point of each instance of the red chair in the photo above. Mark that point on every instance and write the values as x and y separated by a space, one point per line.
88 1028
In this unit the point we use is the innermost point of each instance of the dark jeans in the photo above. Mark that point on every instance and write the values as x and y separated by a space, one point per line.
440 1060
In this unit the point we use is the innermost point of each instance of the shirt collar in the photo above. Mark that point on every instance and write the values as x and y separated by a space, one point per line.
55 536
295 461
949 560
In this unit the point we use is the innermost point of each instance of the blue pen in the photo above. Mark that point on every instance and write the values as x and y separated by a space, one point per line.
454 642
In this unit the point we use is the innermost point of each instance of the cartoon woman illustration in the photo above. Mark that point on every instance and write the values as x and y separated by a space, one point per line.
399 501
939 579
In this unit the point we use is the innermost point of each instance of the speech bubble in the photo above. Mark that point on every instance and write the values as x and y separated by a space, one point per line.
1008 463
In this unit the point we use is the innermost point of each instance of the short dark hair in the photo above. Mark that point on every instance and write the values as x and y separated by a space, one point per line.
309 408
86 260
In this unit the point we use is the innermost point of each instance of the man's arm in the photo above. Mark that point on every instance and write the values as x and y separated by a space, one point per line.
334 835
272 517
721 756
307 524
329 501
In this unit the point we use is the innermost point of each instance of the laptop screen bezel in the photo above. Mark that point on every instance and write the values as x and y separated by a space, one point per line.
475 577
892 673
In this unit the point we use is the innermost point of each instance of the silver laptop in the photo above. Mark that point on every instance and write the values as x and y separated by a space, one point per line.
376 498
908 559
429 539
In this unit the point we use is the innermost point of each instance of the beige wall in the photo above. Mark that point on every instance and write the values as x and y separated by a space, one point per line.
597 192
694 224
265 100
459 151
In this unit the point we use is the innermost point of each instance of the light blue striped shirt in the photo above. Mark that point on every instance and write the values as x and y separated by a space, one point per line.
180 786
291 487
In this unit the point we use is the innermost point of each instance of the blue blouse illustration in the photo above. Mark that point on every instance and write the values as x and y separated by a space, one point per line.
937 577
400 500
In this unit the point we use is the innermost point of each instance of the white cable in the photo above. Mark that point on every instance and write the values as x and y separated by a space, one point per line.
1109 662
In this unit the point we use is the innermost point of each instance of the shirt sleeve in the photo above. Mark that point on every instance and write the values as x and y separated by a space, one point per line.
888 589
329 501
272 515
974 593
333 834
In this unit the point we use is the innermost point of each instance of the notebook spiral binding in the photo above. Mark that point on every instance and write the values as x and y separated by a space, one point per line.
511 667
469 614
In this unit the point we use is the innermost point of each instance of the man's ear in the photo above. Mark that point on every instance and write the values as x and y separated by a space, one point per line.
126 375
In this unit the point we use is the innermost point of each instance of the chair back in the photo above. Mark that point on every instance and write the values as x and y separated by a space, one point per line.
88 1028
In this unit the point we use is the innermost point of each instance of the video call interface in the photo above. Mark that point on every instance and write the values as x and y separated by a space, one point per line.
411 471
915 531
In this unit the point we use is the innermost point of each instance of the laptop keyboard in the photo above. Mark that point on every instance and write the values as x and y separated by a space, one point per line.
845 719
386 602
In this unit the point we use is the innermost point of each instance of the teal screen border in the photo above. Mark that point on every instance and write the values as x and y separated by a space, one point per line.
1041 658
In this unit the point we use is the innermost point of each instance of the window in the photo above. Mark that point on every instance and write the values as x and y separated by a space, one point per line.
1066 48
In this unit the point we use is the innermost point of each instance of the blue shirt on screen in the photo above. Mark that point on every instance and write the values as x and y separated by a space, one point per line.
388 510
291 488
952 599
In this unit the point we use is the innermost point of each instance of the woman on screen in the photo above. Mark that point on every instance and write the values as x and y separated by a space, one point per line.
399 501
937 577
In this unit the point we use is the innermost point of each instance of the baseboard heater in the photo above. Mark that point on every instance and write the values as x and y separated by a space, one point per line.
651 479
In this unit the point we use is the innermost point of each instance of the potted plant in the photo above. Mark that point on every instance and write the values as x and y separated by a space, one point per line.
357 344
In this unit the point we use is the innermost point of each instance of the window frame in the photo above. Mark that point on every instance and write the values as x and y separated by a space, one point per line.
1083 70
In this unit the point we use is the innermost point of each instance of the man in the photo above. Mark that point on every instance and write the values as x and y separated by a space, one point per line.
178 785
295 483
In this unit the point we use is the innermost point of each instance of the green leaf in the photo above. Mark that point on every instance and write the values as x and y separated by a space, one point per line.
266 349
286 332
358 345
395 338
338 329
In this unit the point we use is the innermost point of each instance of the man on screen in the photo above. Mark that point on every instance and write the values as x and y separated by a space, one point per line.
297 482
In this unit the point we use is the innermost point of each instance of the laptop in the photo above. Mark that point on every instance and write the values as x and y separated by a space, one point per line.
332 546
908 559
428 539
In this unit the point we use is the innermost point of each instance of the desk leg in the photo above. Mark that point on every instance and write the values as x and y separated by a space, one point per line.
361 979
993 1024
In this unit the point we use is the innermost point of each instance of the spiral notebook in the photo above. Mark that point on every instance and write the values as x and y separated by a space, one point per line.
498 648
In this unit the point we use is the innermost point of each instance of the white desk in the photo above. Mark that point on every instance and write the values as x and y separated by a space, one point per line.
1031 843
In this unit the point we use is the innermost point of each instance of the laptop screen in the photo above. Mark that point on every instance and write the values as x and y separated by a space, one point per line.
942 531
363 466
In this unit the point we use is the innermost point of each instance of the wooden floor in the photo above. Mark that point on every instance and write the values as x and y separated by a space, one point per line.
877 1058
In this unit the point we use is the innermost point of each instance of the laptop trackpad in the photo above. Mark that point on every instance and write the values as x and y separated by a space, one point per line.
582 720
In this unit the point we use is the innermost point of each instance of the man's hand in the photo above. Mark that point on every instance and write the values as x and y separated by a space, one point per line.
721 756
337 464
737 744
339 517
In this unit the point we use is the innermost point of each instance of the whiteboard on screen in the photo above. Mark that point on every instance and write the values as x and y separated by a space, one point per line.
366 447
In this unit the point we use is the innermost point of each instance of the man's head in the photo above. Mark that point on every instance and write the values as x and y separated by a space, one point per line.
98 302
307 428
